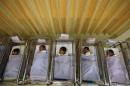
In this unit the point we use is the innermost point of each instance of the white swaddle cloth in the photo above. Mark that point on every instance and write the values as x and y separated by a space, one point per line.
39 67
63 67
115 70
13 67
89 68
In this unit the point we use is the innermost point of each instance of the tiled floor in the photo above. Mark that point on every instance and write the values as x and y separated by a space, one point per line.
13 84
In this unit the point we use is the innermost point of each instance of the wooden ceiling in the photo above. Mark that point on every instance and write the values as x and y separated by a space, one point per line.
80 18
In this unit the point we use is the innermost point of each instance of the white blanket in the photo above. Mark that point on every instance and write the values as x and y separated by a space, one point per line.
63 67
13 67
39 67
116 70
89 68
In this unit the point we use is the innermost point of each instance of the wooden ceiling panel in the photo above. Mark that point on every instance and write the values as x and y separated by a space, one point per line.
35 18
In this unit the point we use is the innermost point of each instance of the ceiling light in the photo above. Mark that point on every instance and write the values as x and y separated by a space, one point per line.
16 39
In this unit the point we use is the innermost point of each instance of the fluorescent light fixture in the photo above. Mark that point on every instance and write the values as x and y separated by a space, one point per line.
112 41
64 36
16 39
41 41
91 40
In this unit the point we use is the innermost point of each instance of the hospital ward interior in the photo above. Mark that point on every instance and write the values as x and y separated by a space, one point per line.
64 42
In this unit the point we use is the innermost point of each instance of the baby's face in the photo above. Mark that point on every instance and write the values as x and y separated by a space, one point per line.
85 51
14 53
109 54
61 52
40 48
